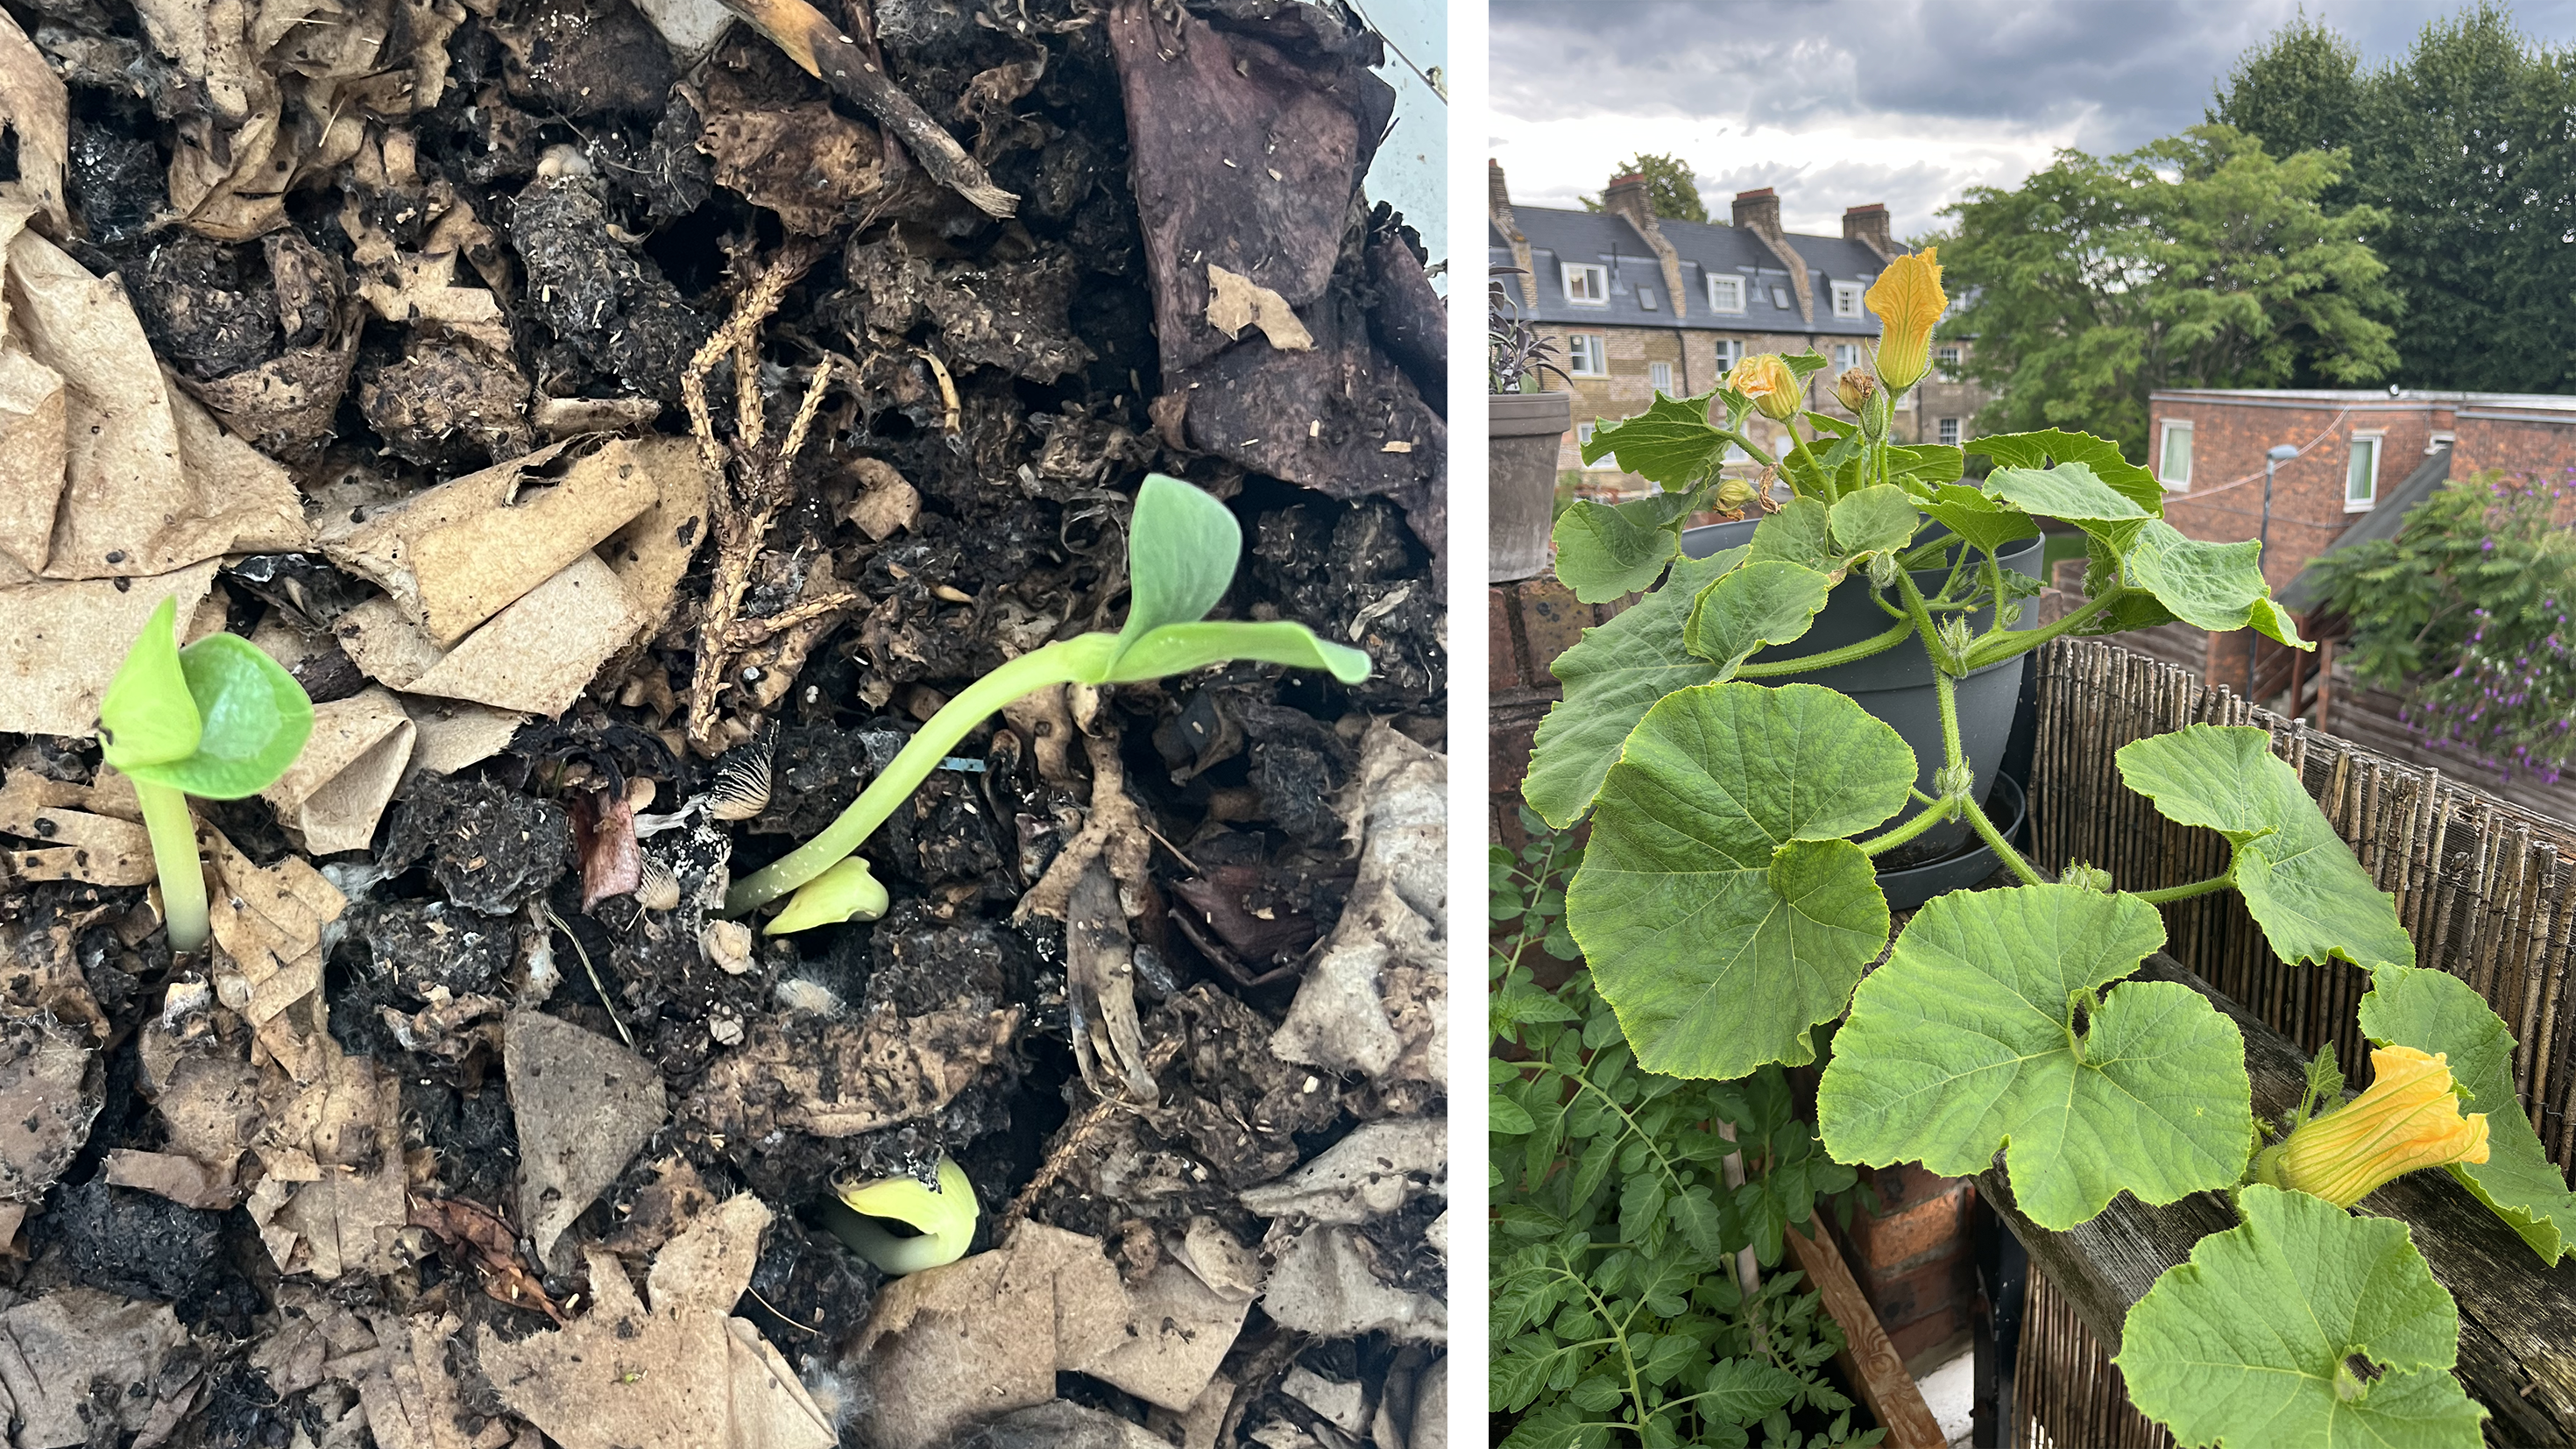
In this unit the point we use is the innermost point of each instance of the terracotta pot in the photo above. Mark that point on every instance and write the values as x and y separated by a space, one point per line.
1522 433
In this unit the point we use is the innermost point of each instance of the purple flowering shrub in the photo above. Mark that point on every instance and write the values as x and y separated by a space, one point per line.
2466 613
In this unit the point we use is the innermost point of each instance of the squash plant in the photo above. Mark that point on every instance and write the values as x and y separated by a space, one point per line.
1728 905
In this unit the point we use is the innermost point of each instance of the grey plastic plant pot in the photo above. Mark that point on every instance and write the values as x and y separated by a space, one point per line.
1897 686
1522 433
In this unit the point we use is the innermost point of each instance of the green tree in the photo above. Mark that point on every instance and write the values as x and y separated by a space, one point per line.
2194 261
1669 188
2463 146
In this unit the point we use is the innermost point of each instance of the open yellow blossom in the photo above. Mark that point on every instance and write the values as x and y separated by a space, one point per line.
1908 300
1767 380
2409 1118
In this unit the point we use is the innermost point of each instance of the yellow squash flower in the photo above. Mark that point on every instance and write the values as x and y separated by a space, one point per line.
2409 1118
1908 300
1767 380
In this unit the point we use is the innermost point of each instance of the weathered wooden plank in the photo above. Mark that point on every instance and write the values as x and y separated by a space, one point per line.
2517 1319
1867 1358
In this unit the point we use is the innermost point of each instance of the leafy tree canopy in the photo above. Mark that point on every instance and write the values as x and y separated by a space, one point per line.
2194 261
2461 146
1669 188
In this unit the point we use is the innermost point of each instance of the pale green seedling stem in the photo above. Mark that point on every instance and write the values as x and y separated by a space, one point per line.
1040 668
174 857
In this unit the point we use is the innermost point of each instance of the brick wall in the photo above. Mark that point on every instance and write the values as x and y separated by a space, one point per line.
2516 443
2224 501
1527 625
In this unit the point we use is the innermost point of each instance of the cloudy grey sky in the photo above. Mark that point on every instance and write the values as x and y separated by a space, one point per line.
1839 102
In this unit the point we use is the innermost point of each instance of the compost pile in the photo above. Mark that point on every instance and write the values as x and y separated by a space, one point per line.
629 424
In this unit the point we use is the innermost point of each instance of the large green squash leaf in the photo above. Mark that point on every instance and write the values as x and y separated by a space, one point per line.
1760 604
1965 1042
2298 878
1720 906
1604 550
1800 533
1611 677
2434 1011
1671 443
1876 519
2244 1346
2214 585
1980 520
2099 455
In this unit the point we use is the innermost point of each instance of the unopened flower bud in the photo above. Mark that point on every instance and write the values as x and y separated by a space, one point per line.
2086 877
1766 379
1855 388
1882 571
1953 633
1954 781
1733 494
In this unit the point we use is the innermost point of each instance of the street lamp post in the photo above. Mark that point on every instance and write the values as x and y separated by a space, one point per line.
2280 454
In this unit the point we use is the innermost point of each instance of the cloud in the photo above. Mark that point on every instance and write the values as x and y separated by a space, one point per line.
1909 102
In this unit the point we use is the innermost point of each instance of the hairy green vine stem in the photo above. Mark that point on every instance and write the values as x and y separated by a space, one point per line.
2224 880
1874 644
1935 812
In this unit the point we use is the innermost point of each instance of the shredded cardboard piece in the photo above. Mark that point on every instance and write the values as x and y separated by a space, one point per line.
583 1105
459 553
333 1199
887 501
651 553
337 790
862 1075
1323 1284
47 688
80 842
181 1179
421 286
536 656
51 1090
1375 1170
1375 1001
411 1400
679 1374
455 733
36 105
1236 302
1059 1424
76 1353
150 483
267 924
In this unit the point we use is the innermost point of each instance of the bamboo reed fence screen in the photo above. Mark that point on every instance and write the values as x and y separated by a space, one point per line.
2482 886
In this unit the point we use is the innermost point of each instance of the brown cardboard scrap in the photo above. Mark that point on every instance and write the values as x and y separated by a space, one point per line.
333 1197
954 1344
78 844
267 923
682 1373
51 1090
454 733
180 1178
36 106
411 1399
77 1353
337 789
652 551
34 449
1179 1329
1236 302
52 669
583 1104
459 553
1325 1285
535 656
1377 1169
150 483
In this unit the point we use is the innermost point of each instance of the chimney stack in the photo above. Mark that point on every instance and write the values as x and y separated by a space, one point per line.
1627 199
1868 226
1758 210
1498 211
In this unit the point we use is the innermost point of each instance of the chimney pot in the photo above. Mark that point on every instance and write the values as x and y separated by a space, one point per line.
1758 209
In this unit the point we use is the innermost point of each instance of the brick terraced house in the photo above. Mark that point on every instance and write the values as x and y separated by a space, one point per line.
1639 305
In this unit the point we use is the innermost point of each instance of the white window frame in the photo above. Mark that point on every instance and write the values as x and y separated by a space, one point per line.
1598 347
1583 434
1646 299
1846 357
1847 297
1947 361
1949 431
1596 279
2164 446
2376 441
1729 351
1660 376
2434 443
1726 294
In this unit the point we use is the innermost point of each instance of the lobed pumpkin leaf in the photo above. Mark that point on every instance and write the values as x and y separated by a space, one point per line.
1752 607
2245 1345
1722 909
1965 1042
2434 1011
1604 550
2299 880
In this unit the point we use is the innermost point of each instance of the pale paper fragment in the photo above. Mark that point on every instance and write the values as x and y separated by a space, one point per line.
336 791
455 733
35 104
535 656
1236 302
651 553
33 452
60 643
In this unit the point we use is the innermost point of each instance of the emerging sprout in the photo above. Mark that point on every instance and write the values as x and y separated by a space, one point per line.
943 1219
1181 551
846 892
218 720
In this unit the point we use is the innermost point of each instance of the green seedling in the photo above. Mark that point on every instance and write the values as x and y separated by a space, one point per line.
942 1218
846 892
1181 552
218 720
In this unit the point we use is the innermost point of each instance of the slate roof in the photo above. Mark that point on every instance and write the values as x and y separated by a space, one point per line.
1770 302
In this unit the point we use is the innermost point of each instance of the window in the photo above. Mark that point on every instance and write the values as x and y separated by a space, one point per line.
2438 442
1780 298
1950 431
1586 355
1646 298
1726 294
1846 299
1729 353
1948 357
1583 433
1846 357
1661 375
2173 461
2361 474
1587 286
